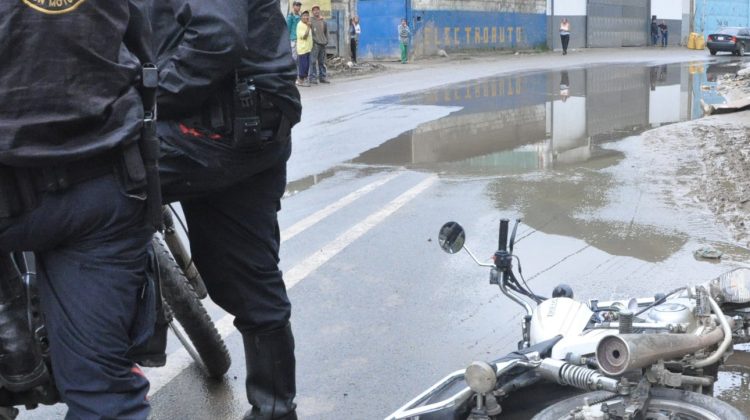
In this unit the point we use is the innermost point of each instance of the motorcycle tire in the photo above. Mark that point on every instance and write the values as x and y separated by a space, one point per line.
664 403
181 298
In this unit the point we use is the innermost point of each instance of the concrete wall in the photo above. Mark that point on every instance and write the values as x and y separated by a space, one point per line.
470 30
464 25
575 12
454 25
686 21
671 12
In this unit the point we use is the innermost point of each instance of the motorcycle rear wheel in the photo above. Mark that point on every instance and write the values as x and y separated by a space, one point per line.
205 344
664 403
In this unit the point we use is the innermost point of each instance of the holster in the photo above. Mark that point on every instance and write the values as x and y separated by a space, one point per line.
245 118
148 146
246 113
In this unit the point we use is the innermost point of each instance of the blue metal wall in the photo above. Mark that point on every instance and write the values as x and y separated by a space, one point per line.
446 26
460 29
713 14
379 20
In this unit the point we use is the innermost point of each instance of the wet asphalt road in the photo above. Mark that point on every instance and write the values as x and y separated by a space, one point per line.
380 163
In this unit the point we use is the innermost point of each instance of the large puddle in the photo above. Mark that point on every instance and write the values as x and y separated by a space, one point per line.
733 384
543 120
553 146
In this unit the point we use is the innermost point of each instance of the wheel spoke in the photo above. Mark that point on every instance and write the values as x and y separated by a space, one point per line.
177 330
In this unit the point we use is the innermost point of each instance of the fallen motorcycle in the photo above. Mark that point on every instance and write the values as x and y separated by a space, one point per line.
649 358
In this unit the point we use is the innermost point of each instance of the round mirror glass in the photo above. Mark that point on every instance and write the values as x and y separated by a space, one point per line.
451 237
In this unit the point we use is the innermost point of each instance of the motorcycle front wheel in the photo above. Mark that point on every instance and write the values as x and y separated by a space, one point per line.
664 404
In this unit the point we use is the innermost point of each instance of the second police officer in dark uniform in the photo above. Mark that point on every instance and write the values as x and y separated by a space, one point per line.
72 190
227 102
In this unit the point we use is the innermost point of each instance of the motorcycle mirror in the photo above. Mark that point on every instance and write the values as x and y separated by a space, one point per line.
451 237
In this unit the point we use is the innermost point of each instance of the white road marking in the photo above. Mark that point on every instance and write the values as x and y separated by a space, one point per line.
312 263
316 217
179 360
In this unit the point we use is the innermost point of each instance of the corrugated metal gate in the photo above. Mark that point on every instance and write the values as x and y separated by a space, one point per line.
380 20
617 23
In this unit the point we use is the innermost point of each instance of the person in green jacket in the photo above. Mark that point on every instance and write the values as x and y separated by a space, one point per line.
292 19
403 35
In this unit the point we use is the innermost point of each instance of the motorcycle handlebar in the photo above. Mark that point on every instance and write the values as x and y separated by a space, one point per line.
503 239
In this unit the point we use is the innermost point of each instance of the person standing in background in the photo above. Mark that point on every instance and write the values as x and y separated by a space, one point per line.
403 35
664 32
304 46
354 31
320 41
292 19
565 35
654 30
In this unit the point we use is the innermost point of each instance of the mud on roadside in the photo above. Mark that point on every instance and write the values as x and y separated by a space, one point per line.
724 184
721 176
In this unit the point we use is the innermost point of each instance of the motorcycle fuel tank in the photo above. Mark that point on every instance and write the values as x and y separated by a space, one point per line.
559 316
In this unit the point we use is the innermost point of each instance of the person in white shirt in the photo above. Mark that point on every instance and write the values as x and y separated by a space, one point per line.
354 31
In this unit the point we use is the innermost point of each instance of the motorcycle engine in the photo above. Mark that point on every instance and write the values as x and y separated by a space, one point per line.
676 312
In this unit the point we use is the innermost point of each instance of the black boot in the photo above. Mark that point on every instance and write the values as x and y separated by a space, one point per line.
21 363
270 383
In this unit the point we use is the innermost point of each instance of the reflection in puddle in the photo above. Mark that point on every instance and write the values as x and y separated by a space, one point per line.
542 120
733 382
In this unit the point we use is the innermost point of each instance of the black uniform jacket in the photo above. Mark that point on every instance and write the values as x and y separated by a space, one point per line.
200 43
68 78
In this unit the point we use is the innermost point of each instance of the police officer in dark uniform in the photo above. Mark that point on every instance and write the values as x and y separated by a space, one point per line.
227 102
72 190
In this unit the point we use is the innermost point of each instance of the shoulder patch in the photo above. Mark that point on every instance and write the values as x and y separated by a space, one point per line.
53 7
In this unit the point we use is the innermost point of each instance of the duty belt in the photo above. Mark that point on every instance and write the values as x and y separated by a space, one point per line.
60 177
20 187
253 126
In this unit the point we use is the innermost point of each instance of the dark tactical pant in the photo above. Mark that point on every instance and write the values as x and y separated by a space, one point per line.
231 198
91 244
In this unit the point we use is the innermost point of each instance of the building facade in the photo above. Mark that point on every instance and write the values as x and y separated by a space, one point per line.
466 25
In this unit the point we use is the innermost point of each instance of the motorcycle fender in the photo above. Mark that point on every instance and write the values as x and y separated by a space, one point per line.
559 316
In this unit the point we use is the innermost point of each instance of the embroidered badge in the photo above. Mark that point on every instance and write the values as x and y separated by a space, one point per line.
53 7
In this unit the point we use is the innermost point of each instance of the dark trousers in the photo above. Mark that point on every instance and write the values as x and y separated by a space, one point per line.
303 65
654 38
231 199
318 62
353 48
91 244
664 39
565 39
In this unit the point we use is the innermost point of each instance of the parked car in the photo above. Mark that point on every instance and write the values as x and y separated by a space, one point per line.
734 40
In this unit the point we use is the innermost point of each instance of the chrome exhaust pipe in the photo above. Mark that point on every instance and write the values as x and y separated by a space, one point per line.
618 354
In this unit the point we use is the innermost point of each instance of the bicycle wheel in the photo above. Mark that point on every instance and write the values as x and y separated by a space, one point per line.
208 348
663 404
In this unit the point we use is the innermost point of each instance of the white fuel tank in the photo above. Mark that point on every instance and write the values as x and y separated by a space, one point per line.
556 316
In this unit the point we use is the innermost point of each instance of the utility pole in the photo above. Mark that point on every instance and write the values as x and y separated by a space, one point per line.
691 24
552 26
